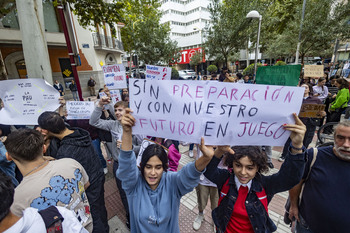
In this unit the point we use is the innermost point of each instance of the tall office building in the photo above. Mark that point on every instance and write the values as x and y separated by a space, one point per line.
187 20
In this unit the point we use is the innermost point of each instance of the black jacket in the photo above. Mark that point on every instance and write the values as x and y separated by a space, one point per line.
78 146
289 175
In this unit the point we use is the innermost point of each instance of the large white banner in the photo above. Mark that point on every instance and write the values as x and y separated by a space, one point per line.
158 72
79 109
25 99
222 113
115 77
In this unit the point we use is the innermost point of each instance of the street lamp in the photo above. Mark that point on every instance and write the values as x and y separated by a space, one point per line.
300 30
255 14
200 34
136 51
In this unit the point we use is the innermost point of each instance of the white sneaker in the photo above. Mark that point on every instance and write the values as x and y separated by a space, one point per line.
105 170
198 222
190 153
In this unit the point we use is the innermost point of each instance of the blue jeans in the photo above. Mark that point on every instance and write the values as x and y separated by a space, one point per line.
97 145
75 95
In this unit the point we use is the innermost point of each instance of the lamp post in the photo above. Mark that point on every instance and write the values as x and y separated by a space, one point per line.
255 14
300 30
200 34
136 52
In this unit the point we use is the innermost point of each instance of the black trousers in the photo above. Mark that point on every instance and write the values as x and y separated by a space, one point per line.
95 194
121 190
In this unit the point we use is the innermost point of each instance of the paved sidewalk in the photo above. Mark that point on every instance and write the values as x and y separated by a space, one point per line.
188 207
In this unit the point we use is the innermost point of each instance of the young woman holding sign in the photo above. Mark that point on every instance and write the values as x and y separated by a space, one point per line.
245 193
153 192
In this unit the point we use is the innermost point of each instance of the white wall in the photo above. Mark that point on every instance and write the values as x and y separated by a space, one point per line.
202 15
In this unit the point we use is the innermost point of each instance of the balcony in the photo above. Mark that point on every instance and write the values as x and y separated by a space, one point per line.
107 43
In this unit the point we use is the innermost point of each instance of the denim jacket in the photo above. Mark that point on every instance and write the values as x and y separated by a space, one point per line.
288 176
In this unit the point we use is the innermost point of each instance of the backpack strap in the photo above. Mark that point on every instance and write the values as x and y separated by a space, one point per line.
52 219
308 174
224 191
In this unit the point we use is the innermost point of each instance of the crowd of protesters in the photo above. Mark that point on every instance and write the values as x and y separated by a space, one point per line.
52 175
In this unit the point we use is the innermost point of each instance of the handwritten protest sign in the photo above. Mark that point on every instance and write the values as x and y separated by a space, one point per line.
115 95
79 109
223 113
278 75
158 72
25 99
115 77
311 110
315 71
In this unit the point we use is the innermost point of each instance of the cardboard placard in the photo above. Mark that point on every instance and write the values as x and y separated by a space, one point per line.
313 71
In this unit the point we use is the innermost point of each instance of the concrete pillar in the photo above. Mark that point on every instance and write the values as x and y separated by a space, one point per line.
36 55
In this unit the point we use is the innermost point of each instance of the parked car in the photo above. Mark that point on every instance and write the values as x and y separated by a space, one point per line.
187 74
190 72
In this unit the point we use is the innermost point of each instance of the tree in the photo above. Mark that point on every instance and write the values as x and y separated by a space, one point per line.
196 59
324 21
227 35
212 69
174 74
143 34
96 12
6 6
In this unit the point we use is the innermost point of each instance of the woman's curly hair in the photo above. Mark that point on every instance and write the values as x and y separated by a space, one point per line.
254 153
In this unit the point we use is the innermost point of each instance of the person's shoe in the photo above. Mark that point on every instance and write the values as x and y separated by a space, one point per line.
198 222
270 164
281 159
214 228
109 161
190 153
105 170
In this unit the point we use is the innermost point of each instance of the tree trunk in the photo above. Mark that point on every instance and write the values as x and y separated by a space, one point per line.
302 58
36 55
3 73
247 53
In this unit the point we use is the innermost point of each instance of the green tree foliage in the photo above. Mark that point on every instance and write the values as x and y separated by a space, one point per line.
280 63
324 21
143 34
212 69
96 12
6 6
174 74
250 69
196 59
228 31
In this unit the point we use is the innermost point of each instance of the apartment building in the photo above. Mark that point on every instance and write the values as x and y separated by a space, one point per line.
187 20
95 46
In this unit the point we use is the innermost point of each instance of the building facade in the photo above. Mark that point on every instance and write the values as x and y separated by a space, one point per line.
187 21
95 46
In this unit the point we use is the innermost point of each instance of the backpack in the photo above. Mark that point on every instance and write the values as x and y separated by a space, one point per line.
286 219
261 195
52 219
